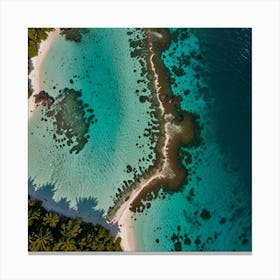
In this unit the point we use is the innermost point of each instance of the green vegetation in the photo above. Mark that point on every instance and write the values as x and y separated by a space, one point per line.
29 92
48 231
35 36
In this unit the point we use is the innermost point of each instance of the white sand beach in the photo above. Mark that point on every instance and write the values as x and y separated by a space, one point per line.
35 75
123 214
163 170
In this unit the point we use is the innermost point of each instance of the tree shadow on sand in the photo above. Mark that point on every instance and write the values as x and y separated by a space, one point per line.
86 207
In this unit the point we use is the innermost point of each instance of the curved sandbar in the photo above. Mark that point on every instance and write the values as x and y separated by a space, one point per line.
177 130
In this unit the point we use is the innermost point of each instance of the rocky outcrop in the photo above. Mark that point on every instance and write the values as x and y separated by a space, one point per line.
73 34
43 98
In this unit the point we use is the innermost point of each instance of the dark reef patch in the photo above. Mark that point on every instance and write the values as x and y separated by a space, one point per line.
73 34
191 195
43 98
197 127
143 98
158 40
189 241
70 120
181 126
205 214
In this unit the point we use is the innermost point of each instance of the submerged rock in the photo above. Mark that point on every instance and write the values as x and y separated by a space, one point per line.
74 34
205 214
70 121
43 98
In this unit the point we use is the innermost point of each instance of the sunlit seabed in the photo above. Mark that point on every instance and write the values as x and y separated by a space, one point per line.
100 168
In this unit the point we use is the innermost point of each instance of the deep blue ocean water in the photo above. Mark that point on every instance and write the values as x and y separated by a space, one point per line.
228 58
213 211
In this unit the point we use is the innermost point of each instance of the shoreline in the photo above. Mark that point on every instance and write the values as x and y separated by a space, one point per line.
177 129
35 75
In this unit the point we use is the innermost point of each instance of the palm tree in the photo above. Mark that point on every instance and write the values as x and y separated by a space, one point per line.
51 220
65 244
71 229
88 243
33 202
33 214
41 241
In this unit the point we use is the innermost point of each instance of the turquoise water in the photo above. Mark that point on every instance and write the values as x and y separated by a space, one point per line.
211 69
101 68
220 179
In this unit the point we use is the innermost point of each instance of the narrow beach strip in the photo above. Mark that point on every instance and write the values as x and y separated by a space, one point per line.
35 75
177 129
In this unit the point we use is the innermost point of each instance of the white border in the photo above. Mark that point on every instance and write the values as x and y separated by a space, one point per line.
262 16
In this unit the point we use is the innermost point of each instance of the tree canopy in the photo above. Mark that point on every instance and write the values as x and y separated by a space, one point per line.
35 36
48 231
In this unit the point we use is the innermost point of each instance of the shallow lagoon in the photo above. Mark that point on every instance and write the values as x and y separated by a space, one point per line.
99 66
